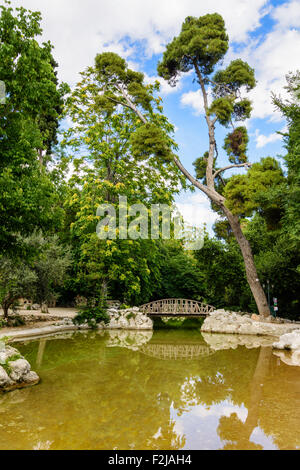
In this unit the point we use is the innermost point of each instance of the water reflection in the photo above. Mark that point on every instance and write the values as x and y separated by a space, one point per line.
161 390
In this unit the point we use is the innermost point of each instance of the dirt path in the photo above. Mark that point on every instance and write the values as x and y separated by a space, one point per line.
42 319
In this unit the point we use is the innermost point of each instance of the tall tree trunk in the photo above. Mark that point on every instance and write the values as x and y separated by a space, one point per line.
5 311
209 190
251 272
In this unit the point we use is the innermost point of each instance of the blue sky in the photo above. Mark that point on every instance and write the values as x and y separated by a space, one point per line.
264 33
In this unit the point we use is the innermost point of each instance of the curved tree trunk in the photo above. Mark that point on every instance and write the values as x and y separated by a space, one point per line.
6 304
251 272
209 190
5 311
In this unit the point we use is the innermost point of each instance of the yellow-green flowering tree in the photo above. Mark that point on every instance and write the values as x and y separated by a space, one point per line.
107 163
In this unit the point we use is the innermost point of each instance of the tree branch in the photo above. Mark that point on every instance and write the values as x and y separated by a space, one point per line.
118 102
210 192
219 85
240 165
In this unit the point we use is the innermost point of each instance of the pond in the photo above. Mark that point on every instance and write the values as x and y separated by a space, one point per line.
142 390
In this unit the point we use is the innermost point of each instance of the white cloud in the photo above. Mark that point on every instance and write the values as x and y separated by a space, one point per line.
195 210
225 408
288 15
272 58
80 29
193 99
165 88
262 140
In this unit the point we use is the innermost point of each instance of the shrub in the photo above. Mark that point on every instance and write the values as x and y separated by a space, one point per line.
92 314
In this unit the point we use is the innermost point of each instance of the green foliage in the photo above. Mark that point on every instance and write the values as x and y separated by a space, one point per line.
111 68
28 124
200 167
16 280
50 266
16 321
124 306
202 42
225 280
130 316
92 314
223 230
180 275
242 110
223 109
227 109
277 261
230 80
106 152
3 324
291 111
38 276
243 192
235 145
228 104
150 140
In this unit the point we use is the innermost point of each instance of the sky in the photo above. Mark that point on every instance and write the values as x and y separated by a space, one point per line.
265 33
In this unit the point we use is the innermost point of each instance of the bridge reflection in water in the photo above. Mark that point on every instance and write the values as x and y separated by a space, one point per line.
176 351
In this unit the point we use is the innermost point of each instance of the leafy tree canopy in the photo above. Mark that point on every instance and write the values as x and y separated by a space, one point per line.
28 124
203 42
243 191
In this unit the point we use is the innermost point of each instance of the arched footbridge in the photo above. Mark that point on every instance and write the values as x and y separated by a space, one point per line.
177 308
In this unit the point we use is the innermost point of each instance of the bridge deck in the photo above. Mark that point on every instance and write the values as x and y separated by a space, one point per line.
177 308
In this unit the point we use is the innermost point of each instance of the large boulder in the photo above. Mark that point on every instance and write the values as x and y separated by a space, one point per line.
221 321
15 371
4 379
128 319
288 348
19 369
289 341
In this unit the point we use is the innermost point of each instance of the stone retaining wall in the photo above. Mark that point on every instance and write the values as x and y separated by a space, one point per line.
221 321
129 319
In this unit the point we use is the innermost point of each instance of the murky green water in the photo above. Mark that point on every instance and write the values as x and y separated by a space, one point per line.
120 390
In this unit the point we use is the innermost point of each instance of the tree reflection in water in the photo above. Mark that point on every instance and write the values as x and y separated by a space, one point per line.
128 390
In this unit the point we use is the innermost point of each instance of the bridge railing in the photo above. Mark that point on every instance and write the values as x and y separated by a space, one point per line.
176 307
176 351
